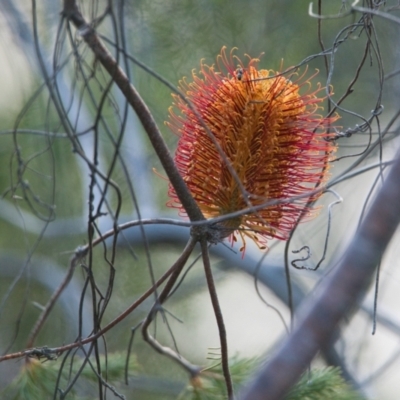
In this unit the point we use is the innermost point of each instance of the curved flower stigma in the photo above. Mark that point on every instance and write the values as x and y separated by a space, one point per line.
273 145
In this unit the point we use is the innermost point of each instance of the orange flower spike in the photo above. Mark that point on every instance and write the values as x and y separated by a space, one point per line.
271 135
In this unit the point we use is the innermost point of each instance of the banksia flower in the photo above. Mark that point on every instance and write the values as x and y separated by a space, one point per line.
268 131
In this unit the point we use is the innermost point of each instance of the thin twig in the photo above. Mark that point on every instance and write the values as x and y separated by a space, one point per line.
178 267
117 320
50 304
220 320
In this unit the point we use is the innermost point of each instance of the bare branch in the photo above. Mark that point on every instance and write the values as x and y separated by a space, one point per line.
337 295
89 35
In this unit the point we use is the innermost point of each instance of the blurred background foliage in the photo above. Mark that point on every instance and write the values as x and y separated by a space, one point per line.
44 207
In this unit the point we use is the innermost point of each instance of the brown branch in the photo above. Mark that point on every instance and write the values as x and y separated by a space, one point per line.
73 14
337 295
193 370
50 304
58 350
220 320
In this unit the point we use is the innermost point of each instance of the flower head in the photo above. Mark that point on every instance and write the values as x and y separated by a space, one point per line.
264 141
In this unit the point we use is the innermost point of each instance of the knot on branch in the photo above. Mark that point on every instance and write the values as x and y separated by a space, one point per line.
213 233
41 353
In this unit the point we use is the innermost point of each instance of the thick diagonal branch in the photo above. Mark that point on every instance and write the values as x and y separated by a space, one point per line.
337 296
72 13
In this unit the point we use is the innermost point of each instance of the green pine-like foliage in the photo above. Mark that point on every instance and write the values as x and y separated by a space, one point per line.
317 384
37 380
323 383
